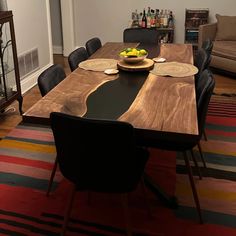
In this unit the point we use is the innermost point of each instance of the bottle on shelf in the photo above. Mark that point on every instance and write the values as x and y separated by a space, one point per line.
140 19
153 19
149 18
136 19
161 19
157 19
171 20
165 19
144 19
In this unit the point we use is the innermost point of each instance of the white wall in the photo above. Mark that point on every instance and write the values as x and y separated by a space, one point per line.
107 19
32 30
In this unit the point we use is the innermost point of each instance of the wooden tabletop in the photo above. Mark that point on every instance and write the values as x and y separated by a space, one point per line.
150 103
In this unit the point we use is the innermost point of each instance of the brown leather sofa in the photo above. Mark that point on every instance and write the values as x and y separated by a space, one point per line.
223 35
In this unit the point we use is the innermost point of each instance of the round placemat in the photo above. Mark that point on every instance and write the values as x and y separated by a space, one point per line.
174 69
98 64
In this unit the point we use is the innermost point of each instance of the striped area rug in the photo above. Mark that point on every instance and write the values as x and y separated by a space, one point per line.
222 106
217 189
27 155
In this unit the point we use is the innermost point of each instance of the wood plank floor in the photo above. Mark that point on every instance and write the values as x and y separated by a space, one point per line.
11 117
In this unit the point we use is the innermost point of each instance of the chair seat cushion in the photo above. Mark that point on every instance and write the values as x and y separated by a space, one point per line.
226 49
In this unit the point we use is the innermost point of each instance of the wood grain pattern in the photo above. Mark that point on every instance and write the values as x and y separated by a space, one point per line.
75 88
177 52
162 104
171 110
166 103
70 95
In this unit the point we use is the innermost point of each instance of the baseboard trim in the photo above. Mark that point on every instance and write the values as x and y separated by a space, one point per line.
57 49
30 81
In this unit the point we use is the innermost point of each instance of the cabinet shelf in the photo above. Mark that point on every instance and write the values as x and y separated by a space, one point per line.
166 34
9 71
193 19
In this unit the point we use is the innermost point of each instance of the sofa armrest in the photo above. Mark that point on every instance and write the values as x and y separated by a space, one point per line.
207 31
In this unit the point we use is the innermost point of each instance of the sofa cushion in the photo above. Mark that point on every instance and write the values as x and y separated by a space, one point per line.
226 28
226 49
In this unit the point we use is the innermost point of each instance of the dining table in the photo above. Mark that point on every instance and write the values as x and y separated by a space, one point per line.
158 107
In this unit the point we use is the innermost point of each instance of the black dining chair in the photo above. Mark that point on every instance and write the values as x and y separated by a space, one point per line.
184 145
200 61
92 45
140 35
198 87
77 56
203 64
207 45
97 155
49 78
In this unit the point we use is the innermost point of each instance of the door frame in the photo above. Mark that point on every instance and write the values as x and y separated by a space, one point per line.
67 15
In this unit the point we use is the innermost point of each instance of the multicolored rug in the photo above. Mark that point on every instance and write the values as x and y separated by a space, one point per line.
217 189
27 155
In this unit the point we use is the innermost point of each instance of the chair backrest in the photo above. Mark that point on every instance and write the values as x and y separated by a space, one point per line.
207 45
92 45
98 155
201 83
140 35
200 61
77 56
51 77
204 91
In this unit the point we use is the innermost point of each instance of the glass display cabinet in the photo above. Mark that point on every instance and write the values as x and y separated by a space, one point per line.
10 89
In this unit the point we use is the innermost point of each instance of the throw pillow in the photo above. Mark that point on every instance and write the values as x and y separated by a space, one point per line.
226 28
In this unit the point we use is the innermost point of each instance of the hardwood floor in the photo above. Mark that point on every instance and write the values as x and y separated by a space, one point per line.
11 117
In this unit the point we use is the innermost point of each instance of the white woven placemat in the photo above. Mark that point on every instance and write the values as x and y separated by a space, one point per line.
98 64
174 69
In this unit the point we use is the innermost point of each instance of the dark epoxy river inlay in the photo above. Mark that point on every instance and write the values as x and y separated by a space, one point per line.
114 98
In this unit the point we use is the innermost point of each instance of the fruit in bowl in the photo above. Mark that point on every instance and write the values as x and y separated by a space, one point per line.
133 55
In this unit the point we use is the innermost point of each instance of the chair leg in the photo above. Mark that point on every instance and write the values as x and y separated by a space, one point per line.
204 134
124 199
201 154
144 189
195 195
196 164
52 177
68 210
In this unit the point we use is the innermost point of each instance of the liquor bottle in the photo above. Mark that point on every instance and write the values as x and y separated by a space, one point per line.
157 18
165 19
136 19
140 19
161 18
149 18
171 20
144 20
153 19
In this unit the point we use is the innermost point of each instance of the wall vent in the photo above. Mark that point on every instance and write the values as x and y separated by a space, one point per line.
28 62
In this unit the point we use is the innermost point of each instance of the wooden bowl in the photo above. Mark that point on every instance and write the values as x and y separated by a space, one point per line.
133 59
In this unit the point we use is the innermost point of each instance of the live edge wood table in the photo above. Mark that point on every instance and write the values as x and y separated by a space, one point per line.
156 106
